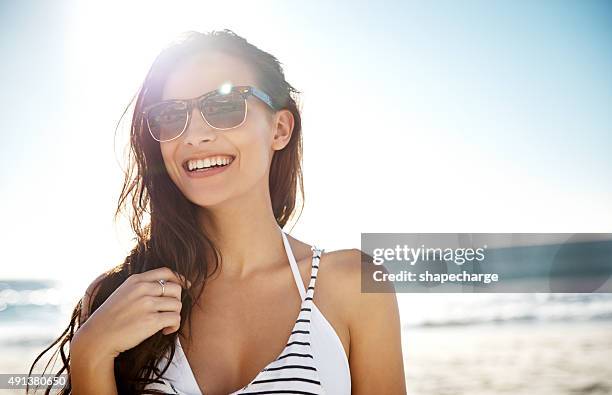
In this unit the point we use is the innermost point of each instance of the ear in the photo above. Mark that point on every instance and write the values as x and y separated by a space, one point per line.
283 128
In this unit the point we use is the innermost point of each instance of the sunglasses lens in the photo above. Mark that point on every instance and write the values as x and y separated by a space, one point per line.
167 120
224 110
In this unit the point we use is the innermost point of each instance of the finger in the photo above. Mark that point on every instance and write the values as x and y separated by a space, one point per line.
170 320
163 273
153 288
168 330
159 304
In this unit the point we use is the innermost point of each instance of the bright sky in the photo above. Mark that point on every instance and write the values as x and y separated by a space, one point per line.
471 116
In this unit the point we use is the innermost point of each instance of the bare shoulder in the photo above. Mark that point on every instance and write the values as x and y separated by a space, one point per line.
351 268
351 271
346 262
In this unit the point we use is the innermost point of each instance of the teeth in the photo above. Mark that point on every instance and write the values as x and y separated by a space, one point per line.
208 162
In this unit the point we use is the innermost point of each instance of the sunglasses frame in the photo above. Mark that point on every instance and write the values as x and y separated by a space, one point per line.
244 90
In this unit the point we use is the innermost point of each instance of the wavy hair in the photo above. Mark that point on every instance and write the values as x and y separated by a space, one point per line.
172 235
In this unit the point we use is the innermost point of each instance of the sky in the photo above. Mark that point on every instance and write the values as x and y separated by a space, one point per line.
446 116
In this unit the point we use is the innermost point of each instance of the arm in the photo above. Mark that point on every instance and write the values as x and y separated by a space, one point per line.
91 372
375 359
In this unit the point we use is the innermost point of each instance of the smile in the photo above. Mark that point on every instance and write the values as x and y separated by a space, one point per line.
197 168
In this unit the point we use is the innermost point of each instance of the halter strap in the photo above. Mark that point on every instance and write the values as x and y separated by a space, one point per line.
294 266
316 255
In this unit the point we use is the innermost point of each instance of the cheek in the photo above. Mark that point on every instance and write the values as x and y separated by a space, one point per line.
167 156
255 153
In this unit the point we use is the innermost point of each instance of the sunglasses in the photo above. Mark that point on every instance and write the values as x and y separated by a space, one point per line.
222 109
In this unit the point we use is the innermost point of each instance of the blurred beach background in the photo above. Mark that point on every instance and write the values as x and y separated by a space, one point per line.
452 343
482 116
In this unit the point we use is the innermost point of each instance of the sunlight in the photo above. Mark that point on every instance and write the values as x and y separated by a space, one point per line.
110 47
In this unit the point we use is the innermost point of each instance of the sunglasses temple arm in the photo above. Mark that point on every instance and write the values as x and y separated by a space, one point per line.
263 96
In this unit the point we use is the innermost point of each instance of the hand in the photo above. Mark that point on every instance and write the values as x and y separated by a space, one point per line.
134 312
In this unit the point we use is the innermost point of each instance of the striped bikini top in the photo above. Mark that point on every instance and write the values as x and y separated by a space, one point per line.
312 362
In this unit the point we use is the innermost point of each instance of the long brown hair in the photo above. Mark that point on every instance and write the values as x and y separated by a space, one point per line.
173 237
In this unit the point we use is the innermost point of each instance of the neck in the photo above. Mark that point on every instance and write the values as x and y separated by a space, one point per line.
246 233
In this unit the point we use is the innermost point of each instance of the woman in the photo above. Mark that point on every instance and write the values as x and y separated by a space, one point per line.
216 298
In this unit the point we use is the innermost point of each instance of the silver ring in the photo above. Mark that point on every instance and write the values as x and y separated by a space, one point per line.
163 285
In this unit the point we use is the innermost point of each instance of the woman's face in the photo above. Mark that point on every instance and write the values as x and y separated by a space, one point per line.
249 146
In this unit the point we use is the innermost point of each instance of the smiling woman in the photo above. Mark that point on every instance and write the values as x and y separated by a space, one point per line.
216 298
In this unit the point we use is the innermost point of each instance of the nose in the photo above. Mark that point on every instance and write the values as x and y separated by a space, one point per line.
198 130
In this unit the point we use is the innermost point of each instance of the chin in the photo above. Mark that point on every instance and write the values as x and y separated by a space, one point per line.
209 200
